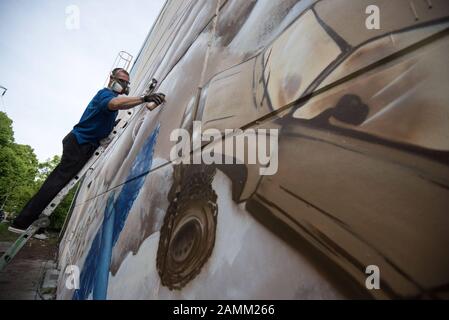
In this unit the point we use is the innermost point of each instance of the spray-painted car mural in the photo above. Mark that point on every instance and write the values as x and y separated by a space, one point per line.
362 172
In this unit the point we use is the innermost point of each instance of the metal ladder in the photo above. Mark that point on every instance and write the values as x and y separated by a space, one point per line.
122 60
44 220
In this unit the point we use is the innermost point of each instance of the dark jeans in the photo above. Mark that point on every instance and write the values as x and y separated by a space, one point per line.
74 157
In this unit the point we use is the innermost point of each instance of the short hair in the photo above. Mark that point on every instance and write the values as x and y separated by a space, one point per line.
117 70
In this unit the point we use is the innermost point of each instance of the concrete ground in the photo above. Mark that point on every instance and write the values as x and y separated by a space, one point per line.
22 278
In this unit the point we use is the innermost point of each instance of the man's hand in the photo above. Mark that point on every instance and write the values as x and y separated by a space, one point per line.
153 100
157 98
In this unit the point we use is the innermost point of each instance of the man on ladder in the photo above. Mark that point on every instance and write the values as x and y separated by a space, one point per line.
96 123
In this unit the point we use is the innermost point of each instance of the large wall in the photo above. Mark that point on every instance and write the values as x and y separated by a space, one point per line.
363 173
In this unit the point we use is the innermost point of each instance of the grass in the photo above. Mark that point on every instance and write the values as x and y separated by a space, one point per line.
6 235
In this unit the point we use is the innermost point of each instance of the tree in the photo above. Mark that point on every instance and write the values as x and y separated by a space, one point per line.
21 175
6 155
18 164
6 132
59 214
46 167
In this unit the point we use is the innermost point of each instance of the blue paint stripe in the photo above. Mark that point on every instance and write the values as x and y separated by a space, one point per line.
95 272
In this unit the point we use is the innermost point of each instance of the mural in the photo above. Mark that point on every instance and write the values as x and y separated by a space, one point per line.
363 152
95 273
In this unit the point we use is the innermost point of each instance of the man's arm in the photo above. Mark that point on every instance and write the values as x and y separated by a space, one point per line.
123 103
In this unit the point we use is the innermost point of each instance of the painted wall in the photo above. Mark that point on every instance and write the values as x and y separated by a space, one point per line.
363 171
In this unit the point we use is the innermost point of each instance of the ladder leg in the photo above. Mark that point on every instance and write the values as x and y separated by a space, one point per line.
6 258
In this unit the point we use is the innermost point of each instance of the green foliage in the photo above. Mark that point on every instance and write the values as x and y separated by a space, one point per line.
6 133
6 235
45 168
18 165
58 216
21 175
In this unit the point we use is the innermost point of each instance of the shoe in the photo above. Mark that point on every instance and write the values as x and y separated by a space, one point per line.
19 230
16 229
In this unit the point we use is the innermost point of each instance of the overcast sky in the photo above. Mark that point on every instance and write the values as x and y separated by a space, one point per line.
52 68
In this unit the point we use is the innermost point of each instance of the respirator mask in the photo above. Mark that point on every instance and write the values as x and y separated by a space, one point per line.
120 86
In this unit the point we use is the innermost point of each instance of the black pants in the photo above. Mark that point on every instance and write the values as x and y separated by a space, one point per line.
74 157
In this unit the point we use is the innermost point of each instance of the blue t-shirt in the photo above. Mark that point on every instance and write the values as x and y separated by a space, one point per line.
97 120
